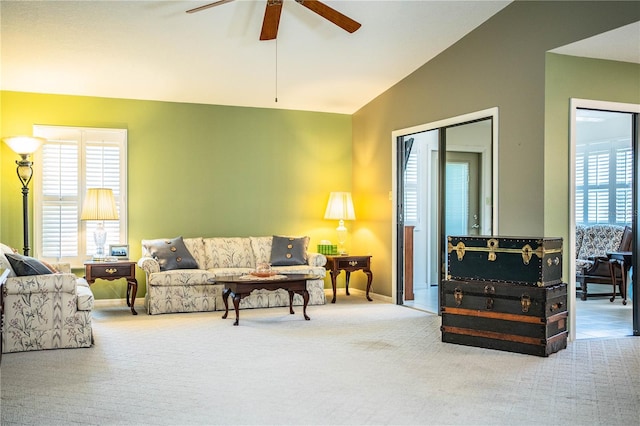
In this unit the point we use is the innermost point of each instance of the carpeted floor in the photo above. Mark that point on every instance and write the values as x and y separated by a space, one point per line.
354 363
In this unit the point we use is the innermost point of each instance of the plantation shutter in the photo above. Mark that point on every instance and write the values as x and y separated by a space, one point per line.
411 190
71 161
604 173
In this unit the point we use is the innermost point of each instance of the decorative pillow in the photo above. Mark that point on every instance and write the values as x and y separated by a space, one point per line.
25 265
287 251
170 254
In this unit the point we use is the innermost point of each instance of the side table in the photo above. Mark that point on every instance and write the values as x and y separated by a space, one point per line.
623 260
347 263
112 271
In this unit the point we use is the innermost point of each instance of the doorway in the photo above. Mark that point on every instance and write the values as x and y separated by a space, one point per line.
604 191
438 195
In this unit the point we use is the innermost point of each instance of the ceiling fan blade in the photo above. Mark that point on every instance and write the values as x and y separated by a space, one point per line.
271 20
331 14
207 6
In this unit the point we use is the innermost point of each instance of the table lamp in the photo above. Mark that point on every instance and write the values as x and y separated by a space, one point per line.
99 205
340 207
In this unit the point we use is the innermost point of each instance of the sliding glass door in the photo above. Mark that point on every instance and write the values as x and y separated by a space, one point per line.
440 195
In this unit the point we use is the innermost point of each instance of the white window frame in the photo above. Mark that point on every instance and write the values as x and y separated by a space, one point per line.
83 136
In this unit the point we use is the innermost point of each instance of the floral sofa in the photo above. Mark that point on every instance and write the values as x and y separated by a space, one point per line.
190 285
44 311
593 242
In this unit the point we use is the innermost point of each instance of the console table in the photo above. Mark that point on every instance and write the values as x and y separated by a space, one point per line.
623 260
347 263
112 271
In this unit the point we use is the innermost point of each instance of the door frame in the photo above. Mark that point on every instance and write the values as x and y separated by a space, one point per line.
574 104
397 220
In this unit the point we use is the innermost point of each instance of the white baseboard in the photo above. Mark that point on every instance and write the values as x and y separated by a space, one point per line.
114 303
357 293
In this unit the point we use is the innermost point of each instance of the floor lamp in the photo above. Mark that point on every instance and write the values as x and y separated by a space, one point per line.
24 146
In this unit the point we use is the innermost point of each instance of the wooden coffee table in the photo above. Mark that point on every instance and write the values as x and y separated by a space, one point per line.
241 287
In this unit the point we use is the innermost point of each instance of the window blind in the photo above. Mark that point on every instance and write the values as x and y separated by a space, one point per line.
71 161
604 172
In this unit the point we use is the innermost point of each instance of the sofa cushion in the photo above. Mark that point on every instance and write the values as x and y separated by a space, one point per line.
261 249
196 248
600 239
181 277
25 265
286 251
170 254
232 252
4 262
579 237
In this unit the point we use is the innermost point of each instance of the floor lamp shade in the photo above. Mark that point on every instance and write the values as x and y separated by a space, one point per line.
340 207
99 204
24 146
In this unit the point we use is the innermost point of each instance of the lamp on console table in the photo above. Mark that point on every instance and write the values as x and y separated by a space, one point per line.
24 146
99 205
340 207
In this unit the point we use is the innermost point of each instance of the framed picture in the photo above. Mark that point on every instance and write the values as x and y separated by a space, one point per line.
119 251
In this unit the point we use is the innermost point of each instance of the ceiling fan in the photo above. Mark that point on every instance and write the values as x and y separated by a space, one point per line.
274 7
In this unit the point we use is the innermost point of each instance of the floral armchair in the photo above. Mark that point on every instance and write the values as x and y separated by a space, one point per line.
593 242
45 311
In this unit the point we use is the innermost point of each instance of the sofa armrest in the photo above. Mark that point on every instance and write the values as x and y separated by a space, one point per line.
41 284
149 265
316 259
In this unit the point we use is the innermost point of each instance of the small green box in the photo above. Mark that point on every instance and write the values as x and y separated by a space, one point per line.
328 249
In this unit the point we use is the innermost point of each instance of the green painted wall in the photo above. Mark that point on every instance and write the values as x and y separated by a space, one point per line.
199 170
582 78
500 64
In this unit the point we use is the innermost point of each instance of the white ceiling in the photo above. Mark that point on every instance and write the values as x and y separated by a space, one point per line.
621 44
154 50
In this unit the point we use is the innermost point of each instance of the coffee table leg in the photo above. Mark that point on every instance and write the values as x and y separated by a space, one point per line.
291 302
236 305
225 297
305 297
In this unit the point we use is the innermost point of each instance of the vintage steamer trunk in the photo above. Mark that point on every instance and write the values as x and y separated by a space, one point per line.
505 316
520 260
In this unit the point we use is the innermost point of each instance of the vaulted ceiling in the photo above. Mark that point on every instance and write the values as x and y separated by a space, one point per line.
154 50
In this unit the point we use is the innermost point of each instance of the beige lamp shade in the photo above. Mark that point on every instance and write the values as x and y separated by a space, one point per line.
340 207
99 204
24 145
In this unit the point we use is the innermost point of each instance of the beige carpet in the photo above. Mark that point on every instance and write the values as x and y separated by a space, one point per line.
354 363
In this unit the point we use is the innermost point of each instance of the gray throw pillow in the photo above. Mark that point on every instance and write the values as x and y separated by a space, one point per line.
170 254
287 251
25 265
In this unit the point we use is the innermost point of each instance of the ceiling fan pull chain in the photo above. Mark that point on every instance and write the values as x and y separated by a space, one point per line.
276 70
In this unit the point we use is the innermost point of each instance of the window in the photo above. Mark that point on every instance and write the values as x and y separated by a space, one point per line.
411 189
603 183
72 160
